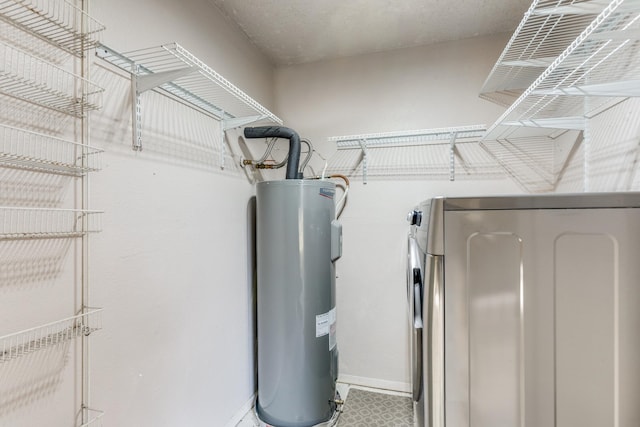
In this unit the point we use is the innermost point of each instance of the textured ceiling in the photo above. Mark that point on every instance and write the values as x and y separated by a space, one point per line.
297 31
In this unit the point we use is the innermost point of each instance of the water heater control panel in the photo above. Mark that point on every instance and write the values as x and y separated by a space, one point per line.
336 240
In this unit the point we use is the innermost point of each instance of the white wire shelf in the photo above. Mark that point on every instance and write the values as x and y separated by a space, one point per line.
28 150
28 78
602 63
28 341
41 223
548 27
175 70
58 22
409 137
445 153
598 70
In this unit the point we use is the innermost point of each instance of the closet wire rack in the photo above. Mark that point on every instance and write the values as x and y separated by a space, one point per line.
603 62
443 153
39 223
548 27
58 22
18 344
29 78
176 71
23 149
595 72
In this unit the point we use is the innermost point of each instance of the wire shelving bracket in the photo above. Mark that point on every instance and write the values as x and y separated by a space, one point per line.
176 71
18 344
94 417
446 146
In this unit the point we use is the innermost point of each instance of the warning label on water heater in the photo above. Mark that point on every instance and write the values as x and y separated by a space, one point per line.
327 192
326 325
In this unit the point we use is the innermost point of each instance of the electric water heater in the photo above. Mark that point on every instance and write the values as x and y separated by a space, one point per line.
297 241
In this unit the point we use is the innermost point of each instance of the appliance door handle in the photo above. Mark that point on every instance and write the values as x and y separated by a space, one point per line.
417 299
434 345
414 295
414 268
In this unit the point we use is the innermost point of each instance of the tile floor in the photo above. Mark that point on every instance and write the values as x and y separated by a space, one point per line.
249 420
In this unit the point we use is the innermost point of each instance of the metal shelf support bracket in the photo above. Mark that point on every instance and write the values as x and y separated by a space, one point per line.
237 122
363 147
452 156
150 81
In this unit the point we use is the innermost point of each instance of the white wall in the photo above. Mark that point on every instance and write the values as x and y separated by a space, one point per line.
172 265
426 87
422 87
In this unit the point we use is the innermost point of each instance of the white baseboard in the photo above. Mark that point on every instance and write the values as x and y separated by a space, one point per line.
241 412
376 383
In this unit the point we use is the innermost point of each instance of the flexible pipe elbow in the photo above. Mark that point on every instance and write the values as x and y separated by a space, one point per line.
280 132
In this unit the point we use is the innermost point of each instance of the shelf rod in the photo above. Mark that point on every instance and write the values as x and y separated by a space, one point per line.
592 7
430 134
625 88
571 123
619 35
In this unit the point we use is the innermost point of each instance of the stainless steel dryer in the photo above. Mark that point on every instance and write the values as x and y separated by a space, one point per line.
531 310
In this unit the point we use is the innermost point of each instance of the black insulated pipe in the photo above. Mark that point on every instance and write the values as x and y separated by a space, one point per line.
293 161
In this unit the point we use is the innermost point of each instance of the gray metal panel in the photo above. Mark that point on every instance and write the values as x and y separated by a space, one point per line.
434 342
415 280
297 369
547 201
557 291
336 240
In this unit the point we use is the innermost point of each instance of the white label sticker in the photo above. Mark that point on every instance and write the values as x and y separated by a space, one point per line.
332 329
322 325
326 325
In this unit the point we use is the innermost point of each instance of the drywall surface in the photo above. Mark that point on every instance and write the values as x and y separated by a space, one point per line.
195 25
425 87
428 87
172 267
